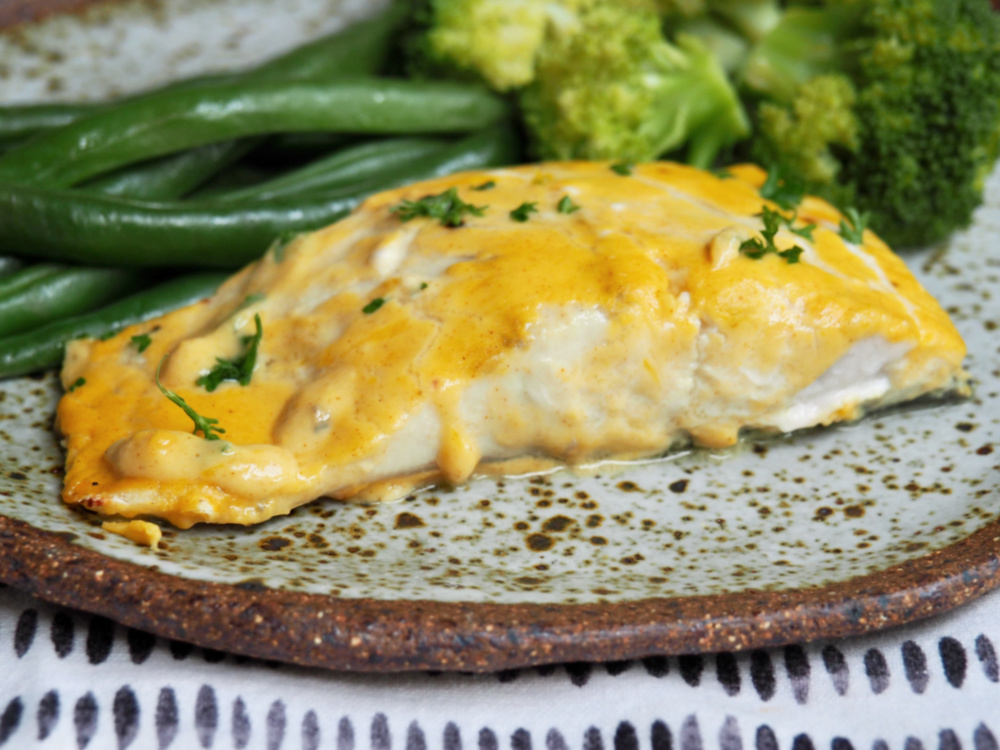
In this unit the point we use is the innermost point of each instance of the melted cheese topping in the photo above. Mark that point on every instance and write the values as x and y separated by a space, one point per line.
616 331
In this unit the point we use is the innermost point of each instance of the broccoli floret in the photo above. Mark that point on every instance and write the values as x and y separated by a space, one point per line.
807 136
912 129
495 40
615 88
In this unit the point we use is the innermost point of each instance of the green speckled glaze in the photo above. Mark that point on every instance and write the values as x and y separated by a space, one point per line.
803 511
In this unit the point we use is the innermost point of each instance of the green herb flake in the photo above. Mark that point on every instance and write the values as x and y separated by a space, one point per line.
76 384
372 306
251 299
622 167
723 174
488 185
855 231
281 243
521 212
141 342
239 368
423 285
205 425
756 249
567 206
787 193
108 335
446 207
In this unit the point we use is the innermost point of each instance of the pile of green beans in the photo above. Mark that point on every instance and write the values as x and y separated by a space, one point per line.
108 209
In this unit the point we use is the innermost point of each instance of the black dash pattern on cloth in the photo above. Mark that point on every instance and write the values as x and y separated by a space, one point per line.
765 739
802 742
345 734
948 740
381 739
836 667
100 639
690 667
452 737
842 743
690 734
276 724
48 714
555 741
415 739
24 631
659 736
915 666
615 668
912 743
987 656
656 666
729 735
487 739
167 720
62 632
140 645
953 660
877 670
520 740
10 719
206 715
626 737
983 739
579 672
797 667
241 724
762 674
85 720
126 712
181 650
727 671
310 731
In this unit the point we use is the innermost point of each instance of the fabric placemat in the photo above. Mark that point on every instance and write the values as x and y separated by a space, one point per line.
69 680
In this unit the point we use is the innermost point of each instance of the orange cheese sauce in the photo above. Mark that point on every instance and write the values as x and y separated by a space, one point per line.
617 330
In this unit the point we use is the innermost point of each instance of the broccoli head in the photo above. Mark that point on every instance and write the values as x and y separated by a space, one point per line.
913 126
612 87
495 40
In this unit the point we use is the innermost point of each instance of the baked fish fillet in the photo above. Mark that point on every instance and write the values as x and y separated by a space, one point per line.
575 314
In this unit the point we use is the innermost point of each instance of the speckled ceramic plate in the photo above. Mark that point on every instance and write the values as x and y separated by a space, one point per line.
820 534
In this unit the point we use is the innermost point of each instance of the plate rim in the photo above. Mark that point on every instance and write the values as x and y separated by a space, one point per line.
399 635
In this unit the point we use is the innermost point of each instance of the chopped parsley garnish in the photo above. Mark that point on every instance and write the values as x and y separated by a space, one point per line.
446 207
76 384
521 212
372 306
141 342
855 231
785 192
488 185
622 167
723 174
423 285
239 368
205 425
108 335
756 249
567 206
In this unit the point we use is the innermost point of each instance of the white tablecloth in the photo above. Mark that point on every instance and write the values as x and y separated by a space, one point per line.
71 680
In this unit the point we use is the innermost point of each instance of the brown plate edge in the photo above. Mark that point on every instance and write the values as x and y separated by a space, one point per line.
370 635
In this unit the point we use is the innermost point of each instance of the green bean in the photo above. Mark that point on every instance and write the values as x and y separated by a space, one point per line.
174 120
9 264
363 162
358 50
174 176
22 121
43 347
100 230
62 292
